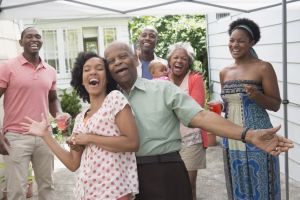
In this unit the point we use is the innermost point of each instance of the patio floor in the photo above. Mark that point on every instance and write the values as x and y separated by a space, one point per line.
210 182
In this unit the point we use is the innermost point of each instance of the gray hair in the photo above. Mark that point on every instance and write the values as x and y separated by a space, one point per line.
185 46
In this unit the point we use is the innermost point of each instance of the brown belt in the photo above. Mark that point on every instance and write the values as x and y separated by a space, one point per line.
163 158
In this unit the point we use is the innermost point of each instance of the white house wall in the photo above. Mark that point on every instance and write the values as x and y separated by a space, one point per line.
269 48
9 37
9 44
121 25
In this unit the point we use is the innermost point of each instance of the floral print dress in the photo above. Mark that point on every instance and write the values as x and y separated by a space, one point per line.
105 175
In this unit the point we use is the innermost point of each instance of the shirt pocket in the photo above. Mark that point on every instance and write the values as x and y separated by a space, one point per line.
156 125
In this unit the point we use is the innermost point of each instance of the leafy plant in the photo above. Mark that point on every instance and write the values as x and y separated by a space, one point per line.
70 102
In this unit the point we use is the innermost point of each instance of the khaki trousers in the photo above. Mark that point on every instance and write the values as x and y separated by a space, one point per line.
23 149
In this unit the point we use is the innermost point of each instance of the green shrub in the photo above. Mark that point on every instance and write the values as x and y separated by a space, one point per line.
70 102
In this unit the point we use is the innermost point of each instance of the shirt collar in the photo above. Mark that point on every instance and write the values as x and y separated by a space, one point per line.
23 61
155 57
139 84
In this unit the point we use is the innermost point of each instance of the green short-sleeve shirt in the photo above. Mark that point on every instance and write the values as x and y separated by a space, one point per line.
158 106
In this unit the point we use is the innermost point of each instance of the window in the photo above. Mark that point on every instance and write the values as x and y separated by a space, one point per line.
90 39
221 15
50 48
71 38
110 35
90 44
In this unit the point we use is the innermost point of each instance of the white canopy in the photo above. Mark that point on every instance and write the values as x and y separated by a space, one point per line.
64 9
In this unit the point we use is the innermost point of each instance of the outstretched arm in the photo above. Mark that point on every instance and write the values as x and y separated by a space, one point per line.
70 159
265 139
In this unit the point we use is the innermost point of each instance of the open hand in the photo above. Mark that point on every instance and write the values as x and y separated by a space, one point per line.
267 140
284 145
33 127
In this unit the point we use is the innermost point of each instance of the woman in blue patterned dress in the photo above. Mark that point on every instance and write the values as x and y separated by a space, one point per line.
249 88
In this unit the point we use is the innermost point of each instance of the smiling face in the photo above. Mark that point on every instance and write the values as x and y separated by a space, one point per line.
122 64
31 41
147 40
240 44
94 77
179 62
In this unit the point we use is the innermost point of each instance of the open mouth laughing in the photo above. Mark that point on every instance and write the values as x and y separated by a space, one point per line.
34 46
93 81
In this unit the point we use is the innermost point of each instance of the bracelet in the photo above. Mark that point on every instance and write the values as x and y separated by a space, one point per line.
243 135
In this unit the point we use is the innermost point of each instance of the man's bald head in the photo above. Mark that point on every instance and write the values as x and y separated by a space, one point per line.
122 64
118 45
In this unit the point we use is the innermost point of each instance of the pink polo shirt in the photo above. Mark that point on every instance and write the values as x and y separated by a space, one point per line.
27 91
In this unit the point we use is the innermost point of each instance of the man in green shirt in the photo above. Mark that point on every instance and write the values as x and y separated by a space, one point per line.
158 107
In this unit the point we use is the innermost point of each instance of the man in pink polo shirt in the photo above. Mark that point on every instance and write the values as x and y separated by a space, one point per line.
29 88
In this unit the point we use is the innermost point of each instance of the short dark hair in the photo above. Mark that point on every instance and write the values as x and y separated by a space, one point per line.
77 71
23 32
237 24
